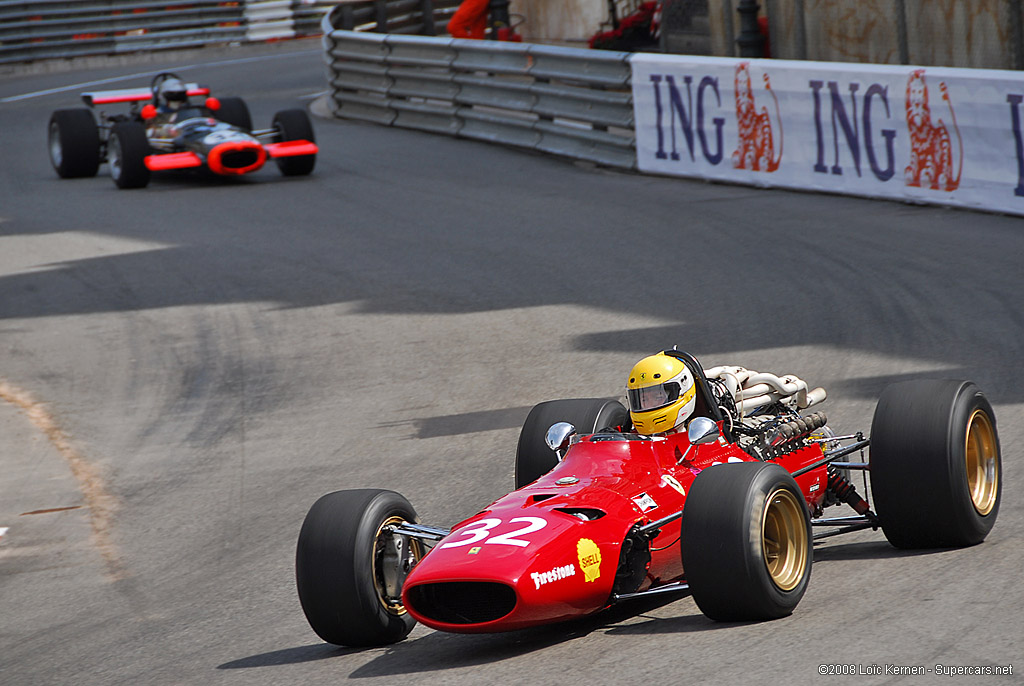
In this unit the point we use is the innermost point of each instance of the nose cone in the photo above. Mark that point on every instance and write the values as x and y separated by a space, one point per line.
233 158
527 572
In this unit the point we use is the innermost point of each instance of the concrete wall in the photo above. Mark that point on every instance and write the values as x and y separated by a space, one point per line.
560 20
960 33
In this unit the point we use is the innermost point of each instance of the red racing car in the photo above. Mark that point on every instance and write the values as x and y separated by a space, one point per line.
606 509
172 131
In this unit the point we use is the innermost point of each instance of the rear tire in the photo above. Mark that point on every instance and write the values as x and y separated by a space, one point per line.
234 111
935 464
127 149
746 542
294 125
589 415
347 568
74 143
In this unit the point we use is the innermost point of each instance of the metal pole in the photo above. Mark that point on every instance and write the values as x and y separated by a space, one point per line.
1017 34
901 31
500 18
751 41
427 12
381 12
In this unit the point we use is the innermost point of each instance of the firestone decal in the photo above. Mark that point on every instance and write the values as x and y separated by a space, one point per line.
556 574
590 559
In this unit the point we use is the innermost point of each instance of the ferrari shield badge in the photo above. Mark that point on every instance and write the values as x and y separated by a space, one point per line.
671 481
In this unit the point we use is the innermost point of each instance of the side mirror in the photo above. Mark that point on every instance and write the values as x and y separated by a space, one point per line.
701 430
559 436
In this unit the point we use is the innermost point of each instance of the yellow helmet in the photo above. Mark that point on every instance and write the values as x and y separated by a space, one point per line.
661 394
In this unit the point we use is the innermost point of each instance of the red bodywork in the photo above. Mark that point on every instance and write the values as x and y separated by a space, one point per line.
132 95
215 160
528 559
254 153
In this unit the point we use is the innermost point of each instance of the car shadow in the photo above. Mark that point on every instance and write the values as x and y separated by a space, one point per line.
290 656
438 650
868 550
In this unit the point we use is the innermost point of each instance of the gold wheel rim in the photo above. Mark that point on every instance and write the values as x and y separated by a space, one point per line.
784 539
384 565
982 457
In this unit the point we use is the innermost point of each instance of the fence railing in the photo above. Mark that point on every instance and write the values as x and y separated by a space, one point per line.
46 29
567 101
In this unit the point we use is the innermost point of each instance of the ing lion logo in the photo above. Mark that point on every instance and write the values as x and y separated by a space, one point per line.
756 150
931 153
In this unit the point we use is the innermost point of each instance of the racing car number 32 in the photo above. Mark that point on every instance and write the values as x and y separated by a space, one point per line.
478 531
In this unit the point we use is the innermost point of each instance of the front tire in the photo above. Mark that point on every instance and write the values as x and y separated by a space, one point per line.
746 542
935 464
127 149
235 111
349 570
534 458
294 125
74 143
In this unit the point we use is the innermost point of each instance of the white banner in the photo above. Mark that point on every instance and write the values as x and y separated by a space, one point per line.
922 134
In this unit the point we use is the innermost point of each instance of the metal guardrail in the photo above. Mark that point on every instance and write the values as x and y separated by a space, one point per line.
44 29
565 101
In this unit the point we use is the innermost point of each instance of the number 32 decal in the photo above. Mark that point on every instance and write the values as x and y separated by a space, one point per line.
478 531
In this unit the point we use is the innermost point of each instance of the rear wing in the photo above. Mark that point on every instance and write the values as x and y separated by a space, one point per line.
133 95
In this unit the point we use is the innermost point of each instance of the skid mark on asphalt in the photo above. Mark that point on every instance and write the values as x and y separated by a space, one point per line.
101 505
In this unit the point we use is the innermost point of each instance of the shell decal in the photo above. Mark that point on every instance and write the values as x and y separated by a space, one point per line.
590 559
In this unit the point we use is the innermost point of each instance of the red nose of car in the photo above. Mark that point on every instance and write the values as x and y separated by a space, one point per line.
233 158
536 558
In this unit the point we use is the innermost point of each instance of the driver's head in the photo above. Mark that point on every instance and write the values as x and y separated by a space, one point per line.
661 394
173 93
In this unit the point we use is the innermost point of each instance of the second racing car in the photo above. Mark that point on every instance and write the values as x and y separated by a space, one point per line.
164 129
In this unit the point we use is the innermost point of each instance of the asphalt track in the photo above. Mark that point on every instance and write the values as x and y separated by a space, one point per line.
190 366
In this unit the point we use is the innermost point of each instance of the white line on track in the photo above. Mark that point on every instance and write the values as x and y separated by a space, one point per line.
154 72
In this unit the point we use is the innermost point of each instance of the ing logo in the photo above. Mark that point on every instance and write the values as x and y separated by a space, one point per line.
756 149
931 150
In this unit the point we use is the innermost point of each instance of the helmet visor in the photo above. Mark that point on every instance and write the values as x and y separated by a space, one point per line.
652 397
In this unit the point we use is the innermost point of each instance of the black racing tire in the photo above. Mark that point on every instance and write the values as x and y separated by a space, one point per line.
127 149
234 111
935 464
348 580
294 125
746 542
589 415
74 143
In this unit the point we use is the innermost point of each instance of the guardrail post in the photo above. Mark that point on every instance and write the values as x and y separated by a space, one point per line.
751 41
